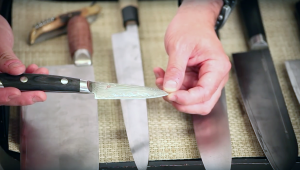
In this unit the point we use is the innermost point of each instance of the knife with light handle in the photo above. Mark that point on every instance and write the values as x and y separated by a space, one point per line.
128 61
56 26
101 90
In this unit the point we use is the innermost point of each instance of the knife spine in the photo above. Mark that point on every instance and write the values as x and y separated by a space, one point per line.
252 20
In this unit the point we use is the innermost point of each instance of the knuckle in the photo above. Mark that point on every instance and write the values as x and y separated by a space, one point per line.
227 66
5 56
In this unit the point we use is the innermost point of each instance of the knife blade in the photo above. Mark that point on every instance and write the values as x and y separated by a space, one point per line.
101 90
64 121
293 70
129 70
292 66
261 93
213 136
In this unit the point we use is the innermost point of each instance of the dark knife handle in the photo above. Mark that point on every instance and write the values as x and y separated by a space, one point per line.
297 12
252 18
32 82
129 11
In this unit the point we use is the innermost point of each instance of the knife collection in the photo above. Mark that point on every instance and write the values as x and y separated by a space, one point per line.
258 84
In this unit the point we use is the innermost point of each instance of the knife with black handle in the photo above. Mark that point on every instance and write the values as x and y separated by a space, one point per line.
261 93
53 83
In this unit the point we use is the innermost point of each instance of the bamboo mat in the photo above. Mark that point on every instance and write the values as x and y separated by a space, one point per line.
171 132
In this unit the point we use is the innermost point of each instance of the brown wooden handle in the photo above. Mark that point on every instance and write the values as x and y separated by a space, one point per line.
126 3
79 35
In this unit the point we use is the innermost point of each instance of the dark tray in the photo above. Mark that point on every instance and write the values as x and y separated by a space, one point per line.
11 160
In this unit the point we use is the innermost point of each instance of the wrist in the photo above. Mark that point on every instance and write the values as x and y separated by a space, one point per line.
201 10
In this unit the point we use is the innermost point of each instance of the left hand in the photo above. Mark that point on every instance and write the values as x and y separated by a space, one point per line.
198 67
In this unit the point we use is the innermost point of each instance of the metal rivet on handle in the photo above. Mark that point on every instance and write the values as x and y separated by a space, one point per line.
220 17
23 79
64 81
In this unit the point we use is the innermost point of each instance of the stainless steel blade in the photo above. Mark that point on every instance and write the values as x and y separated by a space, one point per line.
213 136
265 106
49 35
293 69
128 65
65 127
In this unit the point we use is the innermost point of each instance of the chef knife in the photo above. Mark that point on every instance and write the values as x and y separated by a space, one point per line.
261 93
129 70
293 66
58 126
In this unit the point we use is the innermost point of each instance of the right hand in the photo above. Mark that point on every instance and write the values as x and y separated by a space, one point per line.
10 64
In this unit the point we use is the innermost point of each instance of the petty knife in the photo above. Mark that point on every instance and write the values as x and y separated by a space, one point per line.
101 90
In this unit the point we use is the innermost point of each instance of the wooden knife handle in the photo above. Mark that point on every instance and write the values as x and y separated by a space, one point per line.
79 35
129 10
48 83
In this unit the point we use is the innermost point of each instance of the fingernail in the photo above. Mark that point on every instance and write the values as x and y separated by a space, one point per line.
15 65
36 99
13 96
170 86
172 97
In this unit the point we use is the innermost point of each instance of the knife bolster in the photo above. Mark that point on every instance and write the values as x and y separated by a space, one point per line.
258 42
84 86
130 14
82 57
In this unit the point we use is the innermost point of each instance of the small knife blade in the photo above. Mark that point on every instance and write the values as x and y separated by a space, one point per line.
101 90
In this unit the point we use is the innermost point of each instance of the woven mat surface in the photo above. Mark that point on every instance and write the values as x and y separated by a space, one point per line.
171 132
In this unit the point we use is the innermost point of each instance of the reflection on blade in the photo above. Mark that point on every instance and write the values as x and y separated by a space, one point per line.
119 91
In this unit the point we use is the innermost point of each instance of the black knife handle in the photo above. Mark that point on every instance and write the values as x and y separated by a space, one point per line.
48 83
250 13
129 11
297 6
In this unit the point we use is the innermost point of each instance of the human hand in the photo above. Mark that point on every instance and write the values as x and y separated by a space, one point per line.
10 64
198 67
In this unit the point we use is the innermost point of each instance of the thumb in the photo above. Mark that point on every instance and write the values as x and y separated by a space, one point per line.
9 63
175 71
